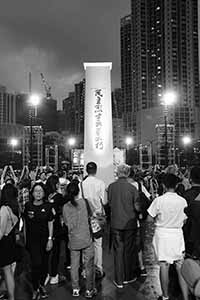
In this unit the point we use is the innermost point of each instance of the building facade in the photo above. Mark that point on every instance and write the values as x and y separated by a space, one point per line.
7 108
164 57
117 103
126 67
37 146
73 107
118 133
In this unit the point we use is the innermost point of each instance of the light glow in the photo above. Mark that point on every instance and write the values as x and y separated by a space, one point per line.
129 140
71 141
187 140
169 98
34 100
13 142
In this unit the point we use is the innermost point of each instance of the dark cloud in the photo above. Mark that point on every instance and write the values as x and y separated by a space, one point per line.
56 37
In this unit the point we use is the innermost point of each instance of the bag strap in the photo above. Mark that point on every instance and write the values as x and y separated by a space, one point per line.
9 212
195 283
88 211
197 197
102 207
86 202
139 186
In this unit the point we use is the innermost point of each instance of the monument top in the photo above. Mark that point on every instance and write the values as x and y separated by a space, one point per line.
98 64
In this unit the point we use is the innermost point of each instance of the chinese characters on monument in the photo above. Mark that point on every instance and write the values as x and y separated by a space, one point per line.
98 113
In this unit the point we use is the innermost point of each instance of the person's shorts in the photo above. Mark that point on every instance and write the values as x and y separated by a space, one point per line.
169 245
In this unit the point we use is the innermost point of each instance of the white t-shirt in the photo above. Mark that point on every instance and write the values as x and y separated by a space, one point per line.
168 210
94 190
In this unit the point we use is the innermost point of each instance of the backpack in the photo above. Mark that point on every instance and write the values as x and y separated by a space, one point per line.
144 202
190 271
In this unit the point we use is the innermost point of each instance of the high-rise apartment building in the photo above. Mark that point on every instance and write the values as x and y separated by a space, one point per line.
126 68
117 104
73 106
69 108
164 56
79 108
47 114
22 109
7 108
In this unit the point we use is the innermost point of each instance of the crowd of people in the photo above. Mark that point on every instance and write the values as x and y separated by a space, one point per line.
41 209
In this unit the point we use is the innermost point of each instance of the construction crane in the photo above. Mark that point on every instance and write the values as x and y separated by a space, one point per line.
47 87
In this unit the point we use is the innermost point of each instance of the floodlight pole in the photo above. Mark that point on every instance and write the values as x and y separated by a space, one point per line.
166 140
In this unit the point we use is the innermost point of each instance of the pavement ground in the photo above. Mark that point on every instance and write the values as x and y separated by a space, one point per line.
144 288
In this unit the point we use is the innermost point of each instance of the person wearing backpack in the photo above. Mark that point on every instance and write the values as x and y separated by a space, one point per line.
144 198
168 213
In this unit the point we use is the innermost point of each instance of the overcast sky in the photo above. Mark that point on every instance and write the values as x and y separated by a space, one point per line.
55 37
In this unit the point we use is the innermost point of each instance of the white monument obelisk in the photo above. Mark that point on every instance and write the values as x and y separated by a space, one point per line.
98 136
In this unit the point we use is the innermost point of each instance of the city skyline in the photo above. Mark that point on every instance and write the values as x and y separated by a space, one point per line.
55 39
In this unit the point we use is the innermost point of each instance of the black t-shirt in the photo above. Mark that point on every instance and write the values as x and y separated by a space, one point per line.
37 218
191 194
57 201
193 213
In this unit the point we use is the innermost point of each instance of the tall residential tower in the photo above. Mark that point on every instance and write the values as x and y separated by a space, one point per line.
164 56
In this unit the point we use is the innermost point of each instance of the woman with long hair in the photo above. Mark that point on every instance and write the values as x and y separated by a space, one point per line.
59 231
39 216
8 247
80 241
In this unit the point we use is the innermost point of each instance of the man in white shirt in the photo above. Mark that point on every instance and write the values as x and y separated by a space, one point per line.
94 190
168 214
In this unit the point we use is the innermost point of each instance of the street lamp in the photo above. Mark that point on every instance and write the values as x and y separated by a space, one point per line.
13 142
71 142
128 142
187 141
169 98
34 101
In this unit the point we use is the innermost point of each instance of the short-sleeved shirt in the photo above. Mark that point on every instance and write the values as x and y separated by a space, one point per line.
76 218
37 218
168 210
94 190
57 201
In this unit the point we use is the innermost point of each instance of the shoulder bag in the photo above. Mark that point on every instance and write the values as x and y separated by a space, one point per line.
94 225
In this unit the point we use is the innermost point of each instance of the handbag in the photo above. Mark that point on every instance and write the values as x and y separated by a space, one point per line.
190 271
95 222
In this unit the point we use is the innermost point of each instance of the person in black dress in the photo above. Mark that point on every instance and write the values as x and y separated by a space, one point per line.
39 216
59 229
8 223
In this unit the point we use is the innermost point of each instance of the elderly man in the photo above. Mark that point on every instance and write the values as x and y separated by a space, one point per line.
124 202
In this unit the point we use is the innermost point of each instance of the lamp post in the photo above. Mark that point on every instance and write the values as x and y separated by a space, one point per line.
187 141
71 142
13 142
34 101
169 98
128 142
